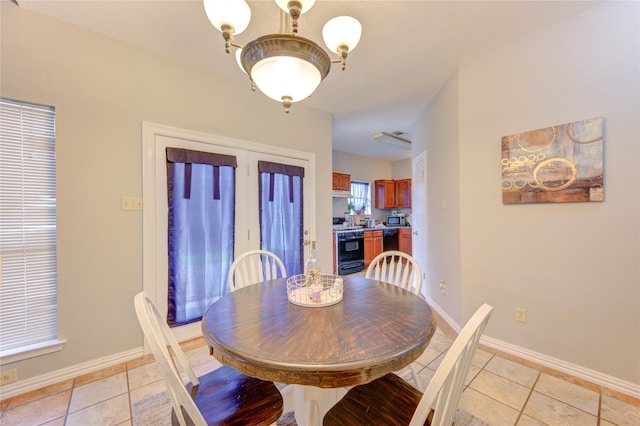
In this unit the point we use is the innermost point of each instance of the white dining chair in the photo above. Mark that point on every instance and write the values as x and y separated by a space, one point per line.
398 268
253 267
390 400
222 396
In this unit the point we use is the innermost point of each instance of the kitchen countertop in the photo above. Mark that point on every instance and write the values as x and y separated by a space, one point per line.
362 228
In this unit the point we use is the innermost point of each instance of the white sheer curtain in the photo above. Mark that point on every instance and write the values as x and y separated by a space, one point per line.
361 199
201 231
281 213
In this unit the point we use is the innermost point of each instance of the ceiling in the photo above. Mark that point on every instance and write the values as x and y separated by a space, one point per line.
407 51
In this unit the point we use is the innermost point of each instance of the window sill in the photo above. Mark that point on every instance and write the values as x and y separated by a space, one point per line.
25 352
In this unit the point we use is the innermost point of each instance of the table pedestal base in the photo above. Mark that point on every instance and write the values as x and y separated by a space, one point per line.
310 403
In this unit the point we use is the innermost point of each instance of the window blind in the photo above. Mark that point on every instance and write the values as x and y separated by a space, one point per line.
28 277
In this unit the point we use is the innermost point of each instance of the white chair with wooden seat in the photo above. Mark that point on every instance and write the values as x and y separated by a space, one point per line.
391 400
398 268
222 396
253 267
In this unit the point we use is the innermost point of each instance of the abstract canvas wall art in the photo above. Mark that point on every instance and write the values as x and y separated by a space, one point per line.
557 164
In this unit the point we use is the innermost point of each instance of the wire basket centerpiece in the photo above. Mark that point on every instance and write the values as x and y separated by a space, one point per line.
324 292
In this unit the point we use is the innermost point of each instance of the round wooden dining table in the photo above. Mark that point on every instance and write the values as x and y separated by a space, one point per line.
375 329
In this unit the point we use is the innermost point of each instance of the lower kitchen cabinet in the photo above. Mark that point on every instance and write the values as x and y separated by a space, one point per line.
372 245
404 240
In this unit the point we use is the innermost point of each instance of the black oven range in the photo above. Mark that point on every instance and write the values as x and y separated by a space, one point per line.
350 251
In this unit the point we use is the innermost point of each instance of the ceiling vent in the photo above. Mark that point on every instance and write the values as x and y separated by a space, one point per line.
397 138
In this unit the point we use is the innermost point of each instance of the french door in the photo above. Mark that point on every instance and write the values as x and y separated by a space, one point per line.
247 233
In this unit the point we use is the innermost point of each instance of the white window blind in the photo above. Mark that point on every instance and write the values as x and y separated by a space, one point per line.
28 279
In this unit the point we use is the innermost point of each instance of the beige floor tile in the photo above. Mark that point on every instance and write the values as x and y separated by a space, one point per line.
110 412
512 370
39 411
473 372
481 358
487 409
100 374
440 342
433 365
57 422
556 413
139 362
425 375
40 393
503 390
427 357
572 394
528 421
571 379
197 356
206 367
619 412
144 375
147 391
125 423
98 391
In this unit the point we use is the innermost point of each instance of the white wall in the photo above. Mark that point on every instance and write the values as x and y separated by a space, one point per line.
573 266
102 91
436 132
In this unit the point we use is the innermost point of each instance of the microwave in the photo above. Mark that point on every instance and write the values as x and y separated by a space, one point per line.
395 221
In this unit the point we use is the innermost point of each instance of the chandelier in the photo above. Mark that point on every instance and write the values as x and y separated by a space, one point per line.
285 67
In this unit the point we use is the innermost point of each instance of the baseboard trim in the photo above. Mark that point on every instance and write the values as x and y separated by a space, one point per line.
38 382
575 370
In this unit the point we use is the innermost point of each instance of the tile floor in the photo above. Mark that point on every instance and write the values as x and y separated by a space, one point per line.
501 390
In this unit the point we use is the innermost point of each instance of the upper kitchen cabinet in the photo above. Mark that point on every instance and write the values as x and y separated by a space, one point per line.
341 182
390 194
403 193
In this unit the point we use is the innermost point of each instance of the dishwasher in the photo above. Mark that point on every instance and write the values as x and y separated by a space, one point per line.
390 239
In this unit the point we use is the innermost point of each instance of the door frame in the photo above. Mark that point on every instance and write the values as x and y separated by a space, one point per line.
153 203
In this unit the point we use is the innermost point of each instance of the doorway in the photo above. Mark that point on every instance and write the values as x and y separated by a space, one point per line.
156 138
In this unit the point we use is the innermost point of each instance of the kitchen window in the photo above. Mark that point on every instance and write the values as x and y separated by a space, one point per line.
28 291
361 199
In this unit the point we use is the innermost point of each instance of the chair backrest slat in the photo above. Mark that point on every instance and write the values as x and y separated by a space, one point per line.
253 267
397 268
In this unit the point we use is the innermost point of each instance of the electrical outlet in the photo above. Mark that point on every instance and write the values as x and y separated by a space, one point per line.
521 315
443 287
9 376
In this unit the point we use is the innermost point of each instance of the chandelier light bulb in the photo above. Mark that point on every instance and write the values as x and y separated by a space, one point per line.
232 13
340 32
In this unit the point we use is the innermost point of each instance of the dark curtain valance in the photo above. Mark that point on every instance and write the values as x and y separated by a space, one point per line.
188 157
281 169
178 155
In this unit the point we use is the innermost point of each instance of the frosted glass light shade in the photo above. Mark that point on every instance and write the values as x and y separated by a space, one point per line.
342 31
235 13
306 5
239 59
280 76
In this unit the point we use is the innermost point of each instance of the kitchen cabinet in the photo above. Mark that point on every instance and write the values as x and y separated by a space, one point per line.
341 182
390 194
404 240
372 245
403 193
